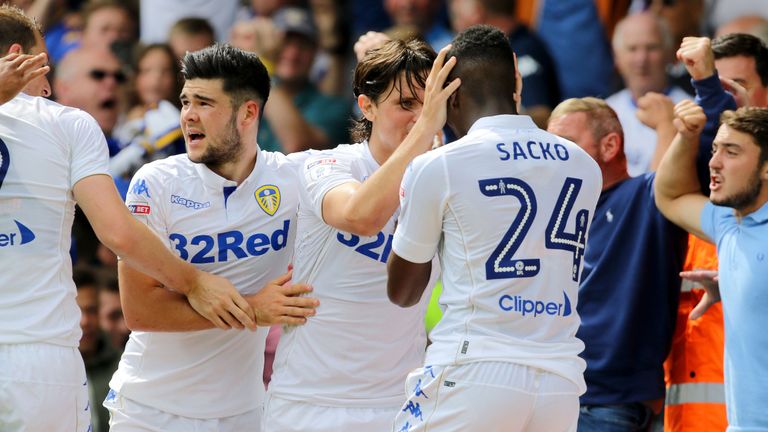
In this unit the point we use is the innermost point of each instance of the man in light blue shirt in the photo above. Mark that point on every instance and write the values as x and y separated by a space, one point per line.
735 218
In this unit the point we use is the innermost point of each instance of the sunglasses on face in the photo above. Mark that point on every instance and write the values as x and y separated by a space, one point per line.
100 74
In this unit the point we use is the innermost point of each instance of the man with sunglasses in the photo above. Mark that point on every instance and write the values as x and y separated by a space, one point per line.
92 80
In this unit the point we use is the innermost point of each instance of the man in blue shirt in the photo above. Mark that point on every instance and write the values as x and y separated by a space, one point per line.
736 218
629 289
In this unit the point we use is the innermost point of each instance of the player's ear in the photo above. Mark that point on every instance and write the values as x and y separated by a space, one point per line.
15 48
366 107
764 168
250 111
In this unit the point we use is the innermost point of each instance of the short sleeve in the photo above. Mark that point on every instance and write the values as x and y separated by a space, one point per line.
712 218
89 147
145 197
423 195
321 173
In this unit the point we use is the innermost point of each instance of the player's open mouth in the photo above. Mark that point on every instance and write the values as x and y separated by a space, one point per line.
195 136
714 182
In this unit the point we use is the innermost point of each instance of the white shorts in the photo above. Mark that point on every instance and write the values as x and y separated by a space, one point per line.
126 415
282 415
488 397
43 388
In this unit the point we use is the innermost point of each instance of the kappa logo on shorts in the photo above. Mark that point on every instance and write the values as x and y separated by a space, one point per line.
5 161
268 197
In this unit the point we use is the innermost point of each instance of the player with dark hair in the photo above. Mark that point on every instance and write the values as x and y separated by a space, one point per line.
507 208
227 207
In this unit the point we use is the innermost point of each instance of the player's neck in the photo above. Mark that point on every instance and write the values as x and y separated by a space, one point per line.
240 168
380 151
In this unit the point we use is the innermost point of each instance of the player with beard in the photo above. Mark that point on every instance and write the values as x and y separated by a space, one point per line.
735 218
229 208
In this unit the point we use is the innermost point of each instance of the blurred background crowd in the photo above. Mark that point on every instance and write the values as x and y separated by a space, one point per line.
119 61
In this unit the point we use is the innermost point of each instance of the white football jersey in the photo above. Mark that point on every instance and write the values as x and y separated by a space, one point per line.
45 148
359 347
507 207
242 232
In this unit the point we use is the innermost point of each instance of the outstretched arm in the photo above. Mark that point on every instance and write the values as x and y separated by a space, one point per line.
676 188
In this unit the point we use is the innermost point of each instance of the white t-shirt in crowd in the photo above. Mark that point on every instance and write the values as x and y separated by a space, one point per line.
243 232
45 149
507 207
358 349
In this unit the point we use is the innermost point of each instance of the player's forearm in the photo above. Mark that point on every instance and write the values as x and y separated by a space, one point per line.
377 198
676 175
149 307
140 248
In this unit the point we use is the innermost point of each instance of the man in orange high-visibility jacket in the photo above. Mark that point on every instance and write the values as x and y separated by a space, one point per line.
695 399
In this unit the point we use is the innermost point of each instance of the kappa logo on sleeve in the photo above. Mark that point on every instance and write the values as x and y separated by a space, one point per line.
140 188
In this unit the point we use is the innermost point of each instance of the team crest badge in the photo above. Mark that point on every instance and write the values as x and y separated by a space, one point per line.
268 197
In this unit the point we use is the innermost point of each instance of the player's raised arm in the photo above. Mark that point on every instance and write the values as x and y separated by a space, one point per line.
364 208
677 192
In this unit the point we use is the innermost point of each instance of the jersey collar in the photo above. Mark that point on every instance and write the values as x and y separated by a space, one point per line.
217 183
505 121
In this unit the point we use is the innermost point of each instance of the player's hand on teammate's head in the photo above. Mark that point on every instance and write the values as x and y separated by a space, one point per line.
17 70
689 119
216 299
437 92
282 302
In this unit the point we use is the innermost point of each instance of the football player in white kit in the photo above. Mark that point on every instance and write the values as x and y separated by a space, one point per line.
343 370
507 209
52 156
228 207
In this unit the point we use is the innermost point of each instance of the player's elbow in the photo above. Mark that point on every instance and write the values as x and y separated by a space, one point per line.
364 225
116 241
400 296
